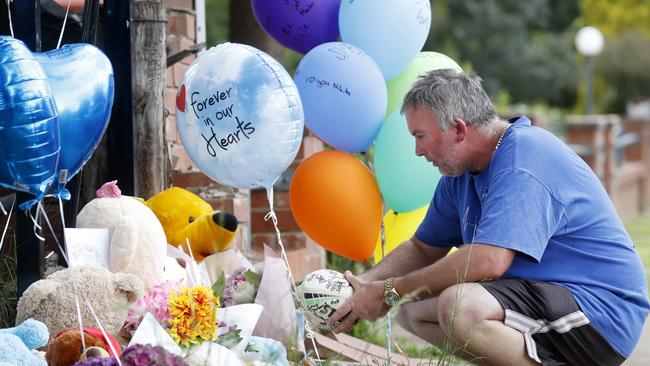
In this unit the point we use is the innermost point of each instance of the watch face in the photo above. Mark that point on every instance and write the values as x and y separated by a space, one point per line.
391 298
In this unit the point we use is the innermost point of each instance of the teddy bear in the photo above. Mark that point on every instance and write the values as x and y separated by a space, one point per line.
52 300
66 348
137 241
16 344
187 217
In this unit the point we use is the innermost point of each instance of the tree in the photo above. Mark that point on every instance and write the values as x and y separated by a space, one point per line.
624 66
613 17
520 47
234 21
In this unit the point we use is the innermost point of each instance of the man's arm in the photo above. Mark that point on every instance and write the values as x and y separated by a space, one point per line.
409 256
470 263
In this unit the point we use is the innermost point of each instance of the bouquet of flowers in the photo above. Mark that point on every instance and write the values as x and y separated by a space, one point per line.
240 288
188 314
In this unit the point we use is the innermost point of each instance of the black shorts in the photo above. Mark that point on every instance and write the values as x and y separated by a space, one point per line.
555 329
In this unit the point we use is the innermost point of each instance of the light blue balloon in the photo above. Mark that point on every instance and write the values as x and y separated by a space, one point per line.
29 126
344 95
392 32
81 78
406 181
239 116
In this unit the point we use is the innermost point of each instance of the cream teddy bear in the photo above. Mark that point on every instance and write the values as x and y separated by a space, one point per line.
137 239
52 300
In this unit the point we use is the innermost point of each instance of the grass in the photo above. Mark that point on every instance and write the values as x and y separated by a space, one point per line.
8 298
639 230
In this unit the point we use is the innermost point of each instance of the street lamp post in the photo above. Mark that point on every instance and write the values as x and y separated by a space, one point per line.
589 42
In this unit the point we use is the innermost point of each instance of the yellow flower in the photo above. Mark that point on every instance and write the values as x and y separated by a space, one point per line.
193 315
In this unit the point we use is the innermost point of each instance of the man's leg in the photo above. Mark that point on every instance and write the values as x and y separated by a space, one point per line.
473 320
421 319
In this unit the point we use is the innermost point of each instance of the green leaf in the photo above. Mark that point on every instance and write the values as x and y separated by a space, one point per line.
253 278
219 285
230 339
250 347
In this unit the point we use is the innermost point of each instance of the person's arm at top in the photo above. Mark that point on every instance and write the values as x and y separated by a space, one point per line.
409 256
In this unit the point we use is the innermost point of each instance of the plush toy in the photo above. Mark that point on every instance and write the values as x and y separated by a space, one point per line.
187 217
16 343
137 240
66 348
52 300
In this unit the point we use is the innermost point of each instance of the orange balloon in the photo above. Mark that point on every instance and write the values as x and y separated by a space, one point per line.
336 201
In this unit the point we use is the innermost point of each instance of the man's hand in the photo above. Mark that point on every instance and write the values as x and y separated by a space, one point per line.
367 302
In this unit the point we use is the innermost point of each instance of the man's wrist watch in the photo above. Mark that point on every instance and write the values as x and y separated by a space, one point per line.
391 297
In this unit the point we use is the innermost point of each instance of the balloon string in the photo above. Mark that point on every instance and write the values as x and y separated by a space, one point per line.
11 210
61 212
389 335
36 227
65 19
81 323
11 26
101 328
389 325
366 161
47 220
2 208
274 218
193 277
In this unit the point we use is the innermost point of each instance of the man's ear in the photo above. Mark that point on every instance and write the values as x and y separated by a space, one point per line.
460 127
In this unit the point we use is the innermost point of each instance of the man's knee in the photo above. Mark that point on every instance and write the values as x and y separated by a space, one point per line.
403 317
461 307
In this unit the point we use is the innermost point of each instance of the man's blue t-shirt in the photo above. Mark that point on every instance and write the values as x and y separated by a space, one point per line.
540 199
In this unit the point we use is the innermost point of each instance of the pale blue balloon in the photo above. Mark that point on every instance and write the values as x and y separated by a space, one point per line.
344 95
406 181
239 116
29 126
392 32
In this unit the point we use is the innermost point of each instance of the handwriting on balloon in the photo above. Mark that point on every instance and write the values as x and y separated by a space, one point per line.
343 51
298 7
424 13
245 128
326 83
199 104
214 108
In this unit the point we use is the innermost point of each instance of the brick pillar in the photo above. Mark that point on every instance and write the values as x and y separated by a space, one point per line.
640 153
593 136
181 35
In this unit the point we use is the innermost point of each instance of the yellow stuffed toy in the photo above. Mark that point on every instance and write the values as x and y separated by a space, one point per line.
187 217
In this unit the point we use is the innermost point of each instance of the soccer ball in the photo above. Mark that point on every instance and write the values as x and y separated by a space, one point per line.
320 293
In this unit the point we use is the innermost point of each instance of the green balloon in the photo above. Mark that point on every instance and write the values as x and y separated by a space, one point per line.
421 64
406 181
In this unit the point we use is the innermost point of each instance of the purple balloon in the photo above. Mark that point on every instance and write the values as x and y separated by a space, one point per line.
299 24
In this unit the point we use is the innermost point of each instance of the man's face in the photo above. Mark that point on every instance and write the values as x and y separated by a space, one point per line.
437 146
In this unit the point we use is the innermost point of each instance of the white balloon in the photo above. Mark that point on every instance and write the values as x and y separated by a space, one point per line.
239 116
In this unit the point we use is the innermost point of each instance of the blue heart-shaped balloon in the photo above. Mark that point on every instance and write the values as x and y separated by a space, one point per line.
81 79
29 126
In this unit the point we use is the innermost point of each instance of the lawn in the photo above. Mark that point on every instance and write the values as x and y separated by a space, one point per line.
639 230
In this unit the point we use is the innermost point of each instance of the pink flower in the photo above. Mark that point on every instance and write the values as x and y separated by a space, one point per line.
110 190
154 302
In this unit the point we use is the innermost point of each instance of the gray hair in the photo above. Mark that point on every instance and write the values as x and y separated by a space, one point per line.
449 94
